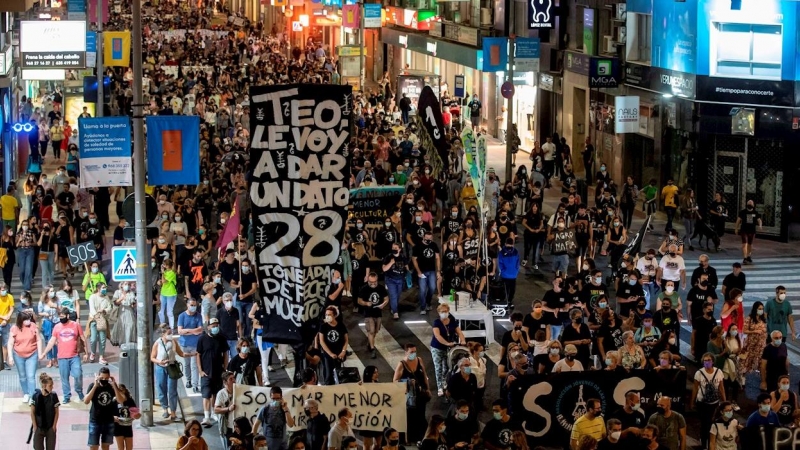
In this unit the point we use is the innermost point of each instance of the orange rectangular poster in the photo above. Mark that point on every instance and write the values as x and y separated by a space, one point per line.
172 150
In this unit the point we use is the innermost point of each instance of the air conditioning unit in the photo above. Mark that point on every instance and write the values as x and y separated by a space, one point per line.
622 11
608 44
486 17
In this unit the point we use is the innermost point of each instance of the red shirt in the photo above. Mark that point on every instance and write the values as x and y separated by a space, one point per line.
67 336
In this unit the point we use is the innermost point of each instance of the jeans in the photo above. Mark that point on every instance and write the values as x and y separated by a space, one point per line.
26 368
232 348
47 333
48 269
427 287
560 263
276 443
96 339
190 369
404 116
167 389
651 291
25 262
670 210
44 439
167 309
70 367
440 364
688 226
395 288
244 308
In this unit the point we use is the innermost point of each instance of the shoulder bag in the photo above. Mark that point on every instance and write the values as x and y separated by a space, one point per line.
174 367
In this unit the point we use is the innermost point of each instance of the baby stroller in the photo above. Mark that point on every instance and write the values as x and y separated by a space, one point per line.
454 355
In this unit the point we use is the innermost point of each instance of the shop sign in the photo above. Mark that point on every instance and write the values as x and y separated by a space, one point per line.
546 82
56 44
627 117
676 83
458 90
409 18
578 63
460 33
746 91
604 73
372 15
76 10
350 50
430 47
6 60
540 14
526 54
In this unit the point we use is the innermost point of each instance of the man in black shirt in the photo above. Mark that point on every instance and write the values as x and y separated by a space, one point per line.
196 275
497 434
631 415
103 396
629 293
92 231
230 324
475 279
701 329
556 304
746 221
705 268
229 268
736 279
247 294
373 298
428 267
593 289
697 297
65 201
212 358
317 426
453 278
417 230
394 267
451 225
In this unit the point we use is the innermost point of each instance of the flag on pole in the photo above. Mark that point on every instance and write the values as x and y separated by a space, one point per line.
231 227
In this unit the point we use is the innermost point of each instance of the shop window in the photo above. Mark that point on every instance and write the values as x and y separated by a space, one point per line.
749 51
640 36
413 4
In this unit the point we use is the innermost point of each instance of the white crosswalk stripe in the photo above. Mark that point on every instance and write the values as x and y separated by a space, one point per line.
763 276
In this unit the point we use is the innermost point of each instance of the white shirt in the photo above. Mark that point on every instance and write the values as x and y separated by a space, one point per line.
479 370
549 150
647 268
726 434
672 267
703 378
561 366
223 401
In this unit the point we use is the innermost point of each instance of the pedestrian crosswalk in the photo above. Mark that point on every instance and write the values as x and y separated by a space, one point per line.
763 276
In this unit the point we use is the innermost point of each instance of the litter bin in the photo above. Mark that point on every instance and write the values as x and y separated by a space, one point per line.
129 368
583 190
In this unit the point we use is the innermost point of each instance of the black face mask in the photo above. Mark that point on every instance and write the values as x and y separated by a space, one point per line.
570 357
660 409
641 306
704 283
672 254
63 319
394 442
307 411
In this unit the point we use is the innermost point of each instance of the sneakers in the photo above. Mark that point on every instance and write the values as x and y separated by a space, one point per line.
749 259
441 392
26 398
103 361
422 312
206 423
524 263
65 401
188 384
428 308
196 390
535 267
176 419
165 414
374 353
396 316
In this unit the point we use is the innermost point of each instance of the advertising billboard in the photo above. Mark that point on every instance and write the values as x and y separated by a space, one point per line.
675 35
53 44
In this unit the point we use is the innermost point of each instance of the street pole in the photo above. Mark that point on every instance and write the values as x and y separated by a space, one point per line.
100 69
510 109
143 319
361 40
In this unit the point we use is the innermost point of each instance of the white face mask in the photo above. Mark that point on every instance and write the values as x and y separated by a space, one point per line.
616 435
444 315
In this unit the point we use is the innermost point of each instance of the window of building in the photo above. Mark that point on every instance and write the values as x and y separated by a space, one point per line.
639 37
745 50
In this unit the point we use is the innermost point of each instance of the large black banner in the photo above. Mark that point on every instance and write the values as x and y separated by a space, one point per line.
769 437
299 190
548 405
431 114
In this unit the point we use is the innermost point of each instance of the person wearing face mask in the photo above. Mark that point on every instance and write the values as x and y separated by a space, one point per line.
387 236
212 358
44 412
223 404
746 221
647 336
451 252
544 363
248 286
631 414
99 321
508 262
435 434
446 334
23 347
570 362
162 354
341 436
373 298
672 268
665 419
669 194
499 430
245 366
764 415
333 339
724 433
589 424
784 401
273 419
26 240
648 270
755 330
427 263
592 290
462 426
733 309
411 368
317 426
704 267
774 362
230 323
462 384
619 436
190 328
702 326
707 391
666 319
104 396
735 279
629 292
779 314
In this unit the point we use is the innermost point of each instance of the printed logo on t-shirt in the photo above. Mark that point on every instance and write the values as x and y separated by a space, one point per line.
333 336
104 398
427 253
374 298
505 437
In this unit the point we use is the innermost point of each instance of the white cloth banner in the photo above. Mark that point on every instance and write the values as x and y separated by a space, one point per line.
627 109
374 406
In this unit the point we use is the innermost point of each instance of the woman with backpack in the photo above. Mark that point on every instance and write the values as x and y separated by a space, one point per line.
707 392
44 409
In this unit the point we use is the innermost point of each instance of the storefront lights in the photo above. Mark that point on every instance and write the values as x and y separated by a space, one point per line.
22 127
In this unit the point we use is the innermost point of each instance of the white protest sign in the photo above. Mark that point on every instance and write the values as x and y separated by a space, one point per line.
374 406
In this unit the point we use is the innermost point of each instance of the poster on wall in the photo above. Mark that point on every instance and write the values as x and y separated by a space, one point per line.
105 151
411 86
52 44
300 194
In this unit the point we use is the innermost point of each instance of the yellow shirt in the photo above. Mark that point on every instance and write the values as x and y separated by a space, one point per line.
6 304
595 428
9 205
669 193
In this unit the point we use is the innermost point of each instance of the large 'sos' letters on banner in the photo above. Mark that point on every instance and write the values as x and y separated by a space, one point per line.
375 406
300 136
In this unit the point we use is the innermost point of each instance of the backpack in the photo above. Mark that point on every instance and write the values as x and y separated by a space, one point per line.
710 391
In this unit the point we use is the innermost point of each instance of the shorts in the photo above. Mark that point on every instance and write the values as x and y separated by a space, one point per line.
209 387
125 431
96 430
560 263
373 324
747 238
